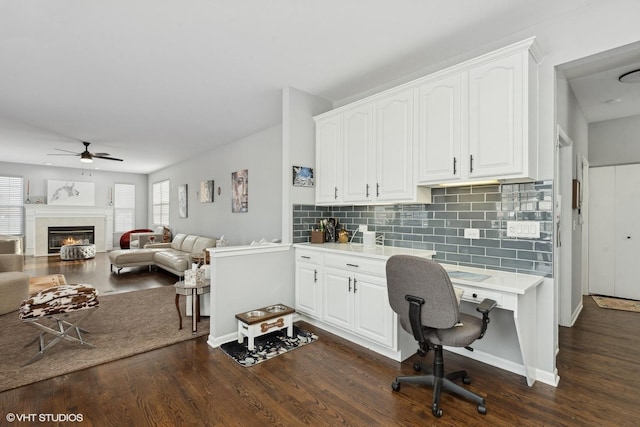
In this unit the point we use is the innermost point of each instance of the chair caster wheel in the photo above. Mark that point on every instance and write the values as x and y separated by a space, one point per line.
437 412
466 379
395 386
417 367
482 409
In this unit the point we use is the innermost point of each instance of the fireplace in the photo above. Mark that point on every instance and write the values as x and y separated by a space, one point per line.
69 235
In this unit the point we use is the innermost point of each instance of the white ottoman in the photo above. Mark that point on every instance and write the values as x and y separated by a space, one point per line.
78 251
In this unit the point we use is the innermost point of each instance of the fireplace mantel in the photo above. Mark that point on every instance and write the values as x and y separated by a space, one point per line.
39 217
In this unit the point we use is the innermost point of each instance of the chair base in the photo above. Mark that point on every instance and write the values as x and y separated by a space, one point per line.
441 382
60 329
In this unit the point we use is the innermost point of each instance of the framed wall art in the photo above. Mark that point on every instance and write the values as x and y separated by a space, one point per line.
240 191
302 176
206 191
182 201
71 193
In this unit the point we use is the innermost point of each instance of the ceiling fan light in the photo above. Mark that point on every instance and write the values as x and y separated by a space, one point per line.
86 158
630 77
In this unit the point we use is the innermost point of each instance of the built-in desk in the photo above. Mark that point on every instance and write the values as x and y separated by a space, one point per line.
510 341
513 292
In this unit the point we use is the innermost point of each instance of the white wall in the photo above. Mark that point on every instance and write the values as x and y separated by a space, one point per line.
614 142
572 120
298 149
37 176
261 154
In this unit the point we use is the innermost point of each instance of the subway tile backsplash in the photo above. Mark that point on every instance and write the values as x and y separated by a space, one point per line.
439 226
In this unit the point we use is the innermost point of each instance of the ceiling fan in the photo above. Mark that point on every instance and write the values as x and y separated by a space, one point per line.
86 156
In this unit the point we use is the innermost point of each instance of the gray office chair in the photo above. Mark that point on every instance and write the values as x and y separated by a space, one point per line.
422 295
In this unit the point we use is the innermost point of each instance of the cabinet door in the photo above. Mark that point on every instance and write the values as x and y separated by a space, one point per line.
358 153
496 117
627 231
337 298
328 160
373 317
307 289
394 148
439 130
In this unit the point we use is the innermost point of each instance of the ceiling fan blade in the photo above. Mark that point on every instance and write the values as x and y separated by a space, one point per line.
95 156
56 154
74 153
100 154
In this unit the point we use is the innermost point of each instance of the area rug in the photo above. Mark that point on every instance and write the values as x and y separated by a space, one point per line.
617 303
38 283
124 324
267 346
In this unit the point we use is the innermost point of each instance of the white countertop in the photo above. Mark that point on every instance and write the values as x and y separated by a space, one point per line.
358 249
502 281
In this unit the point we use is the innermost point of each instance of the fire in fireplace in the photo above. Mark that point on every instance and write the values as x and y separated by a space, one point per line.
69 235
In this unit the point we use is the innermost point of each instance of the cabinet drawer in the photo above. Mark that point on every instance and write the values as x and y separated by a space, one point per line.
376 267
477 295
307 256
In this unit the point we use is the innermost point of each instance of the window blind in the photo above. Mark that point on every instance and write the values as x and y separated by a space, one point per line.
11 205
161 203
124 203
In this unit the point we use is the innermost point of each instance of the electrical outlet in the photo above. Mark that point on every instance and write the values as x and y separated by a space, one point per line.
363 228
471 233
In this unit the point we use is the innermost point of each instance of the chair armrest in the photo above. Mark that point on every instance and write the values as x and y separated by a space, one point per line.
486 306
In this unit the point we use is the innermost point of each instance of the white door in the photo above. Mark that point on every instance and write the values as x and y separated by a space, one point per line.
627 231
602 221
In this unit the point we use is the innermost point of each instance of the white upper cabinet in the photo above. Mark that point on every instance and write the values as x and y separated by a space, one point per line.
372 143
394 148
497 107
477 121
471 122
439 129
329 160
358 153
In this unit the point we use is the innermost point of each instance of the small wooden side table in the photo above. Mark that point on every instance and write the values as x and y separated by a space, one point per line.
194 292
258 322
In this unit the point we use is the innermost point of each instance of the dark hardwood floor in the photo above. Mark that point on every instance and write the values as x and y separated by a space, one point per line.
333 382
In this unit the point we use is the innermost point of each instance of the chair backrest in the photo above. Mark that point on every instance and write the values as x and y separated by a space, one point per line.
426 279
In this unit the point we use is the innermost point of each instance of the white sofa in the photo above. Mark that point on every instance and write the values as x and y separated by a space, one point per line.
175 257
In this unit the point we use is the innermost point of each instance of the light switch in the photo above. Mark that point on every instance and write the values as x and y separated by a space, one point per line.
524 229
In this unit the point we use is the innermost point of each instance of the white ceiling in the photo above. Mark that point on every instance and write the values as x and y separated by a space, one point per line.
158 81
594 81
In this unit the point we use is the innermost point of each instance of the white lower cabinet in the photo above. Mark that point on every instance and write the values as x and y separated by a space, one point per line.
346 294
308 273
359 303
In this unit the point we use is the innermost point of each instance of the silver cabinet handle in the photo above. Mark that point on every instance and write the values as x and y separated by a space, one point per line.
355 289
